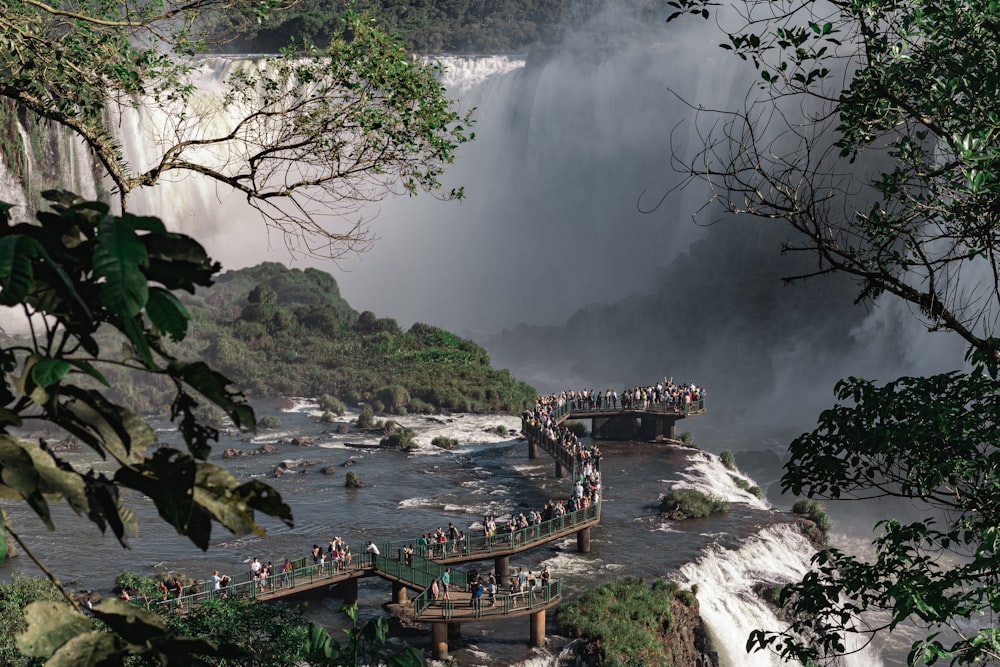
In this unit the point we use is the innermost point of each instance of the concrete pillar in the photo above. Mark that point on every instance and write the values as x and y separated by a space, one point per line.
583 541
537 631
532 449
560 471
501 568
398 593
350 591
439 641
597 425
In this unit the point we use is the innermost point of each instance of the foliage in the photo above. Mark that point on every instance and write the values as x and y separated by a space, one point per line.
269 421
14 597
728 460
400 438
367 417
691 504
873 135
352 480
626 619
80 270
444 442
329 403
687 438
306 137
460 26
576 427
747 486
305 340
501 430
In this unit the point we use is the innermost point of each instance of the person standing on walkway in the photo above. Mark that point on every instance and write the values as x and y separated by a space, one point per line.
445 583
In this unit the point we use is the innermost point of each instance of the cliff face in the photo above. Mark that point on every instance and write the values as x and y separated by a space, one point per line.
686 641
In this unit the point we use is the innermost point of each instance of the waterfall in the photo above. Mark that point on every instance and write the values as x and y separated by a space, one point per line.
731 606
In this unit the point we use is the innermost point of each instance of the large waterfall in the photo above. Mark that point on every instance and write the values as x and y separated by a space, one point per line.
572 152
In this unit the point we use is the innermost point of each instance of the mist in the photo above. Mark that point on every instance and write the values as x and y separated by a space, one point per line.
575 259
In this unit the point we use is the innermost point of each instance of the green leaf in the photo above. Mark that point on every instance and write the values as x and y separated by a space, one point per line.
118 259
48 372
93 649
17 255
89 369
167 313
50 626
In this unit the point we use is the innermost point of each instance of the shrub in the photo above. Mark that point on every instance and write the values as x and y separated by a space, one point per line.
268 421
444 442
328 417
421 407
399 438
577 428
352 481
814 511
691 504
687 438
330 403
367 417
624 619
728 460
747 486
500 429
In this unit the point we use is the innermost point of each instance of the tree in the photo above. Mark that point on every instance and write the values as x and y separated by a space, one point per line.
871 133
308 137
78 276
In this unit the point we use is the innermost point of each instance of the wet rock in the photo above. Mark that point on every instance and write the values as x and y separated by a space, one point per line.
235 453
303 441
343 429
329 470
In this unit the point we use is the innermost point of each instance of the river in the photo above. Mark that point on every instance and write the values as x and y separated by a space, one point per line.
411 493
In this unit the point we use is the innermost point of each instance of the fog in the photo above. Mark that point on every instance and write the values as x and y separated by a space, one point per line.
574 258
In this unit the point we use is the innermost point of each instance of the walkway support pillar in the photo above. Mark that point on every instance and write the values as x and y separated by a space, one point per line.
537 631
532 449
398 593
501 568
454 630
439 641
583 541
560 470
350 591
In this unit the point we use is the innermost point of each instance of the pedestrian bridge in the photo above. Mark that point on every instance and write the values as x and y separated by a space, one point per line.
417 571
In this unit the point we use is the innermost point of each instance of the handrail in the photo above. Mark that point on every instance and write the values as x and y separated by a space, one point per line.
695 407
472 546
303 572
502 604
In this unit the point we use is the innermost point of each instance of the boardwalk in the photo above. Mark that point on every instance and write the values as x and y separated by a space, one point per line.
416 571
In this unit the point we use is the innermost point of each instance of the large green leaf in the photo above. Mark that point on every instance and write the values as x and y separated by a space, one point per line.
93 649
168 479
50 626
232 504
119 258
17 255
49 371
120 432
167 313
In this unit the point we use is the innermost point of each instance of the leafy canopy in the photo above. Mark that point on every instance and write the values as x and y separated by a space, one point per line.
308 137
872 133
80 270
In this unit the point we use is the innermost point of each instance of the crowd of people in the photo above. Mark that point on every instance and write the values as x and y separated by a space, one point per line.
665 392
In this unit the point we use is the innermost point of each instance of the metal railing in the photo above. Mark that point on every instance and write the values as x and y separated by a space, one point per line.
473 546
303 573
421 572
686 409
499 605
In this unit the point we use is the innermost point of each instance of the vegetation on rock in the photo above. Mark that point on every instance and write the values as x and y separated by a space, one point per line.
625 621
691 504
